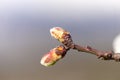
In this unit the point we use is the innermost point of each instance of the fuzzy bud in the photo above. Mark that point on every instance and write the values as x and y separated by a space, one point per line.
59 34
53 56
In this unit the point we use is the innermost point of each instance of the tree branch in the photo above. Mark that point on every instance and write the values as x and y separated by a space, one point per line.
66 39
60 51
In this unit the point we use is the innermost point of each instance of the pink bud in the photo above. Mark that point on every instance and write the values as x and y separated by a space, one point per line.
53 56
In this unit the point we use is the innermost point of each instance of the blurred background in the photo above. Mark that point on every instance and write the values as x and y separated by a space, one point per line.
25 38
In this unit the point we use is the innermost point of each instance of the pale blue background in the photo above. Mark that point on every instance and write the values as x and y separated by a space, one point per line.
25 38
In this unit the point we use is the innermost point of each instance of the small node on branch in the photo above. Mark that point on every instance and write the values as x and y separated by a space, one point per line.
105 55
116 56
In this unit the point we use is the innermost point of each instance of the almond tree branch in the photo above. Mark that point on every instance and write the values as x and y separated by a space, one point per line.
65 38
60 51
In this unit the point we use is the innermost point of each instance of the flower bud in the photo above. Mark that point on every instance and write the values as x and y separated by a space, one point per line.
59 33
53 56
116 44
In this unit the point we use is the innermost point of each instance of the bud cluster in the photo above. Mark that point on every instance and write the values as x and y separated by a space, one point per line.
59 52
